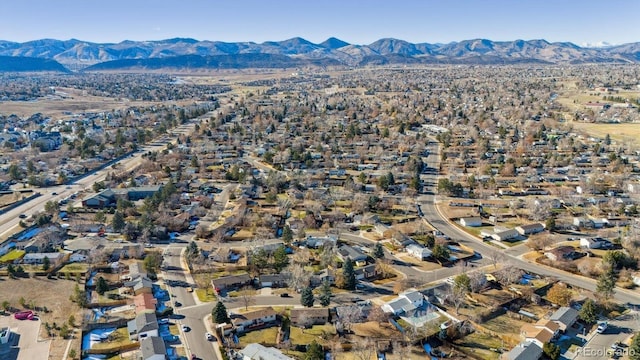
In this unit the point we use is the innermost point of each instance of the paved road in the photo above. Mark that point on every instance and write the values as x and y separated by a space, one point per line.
427 202
194 340
619 330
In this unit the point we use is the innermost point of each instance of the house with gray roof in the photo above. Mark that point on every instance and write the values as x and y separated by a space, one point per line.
152 348
144 325
565 317
349 252
526 350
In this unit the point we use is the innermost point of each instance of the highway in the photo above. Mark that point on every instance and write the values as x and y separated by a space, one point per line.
427 202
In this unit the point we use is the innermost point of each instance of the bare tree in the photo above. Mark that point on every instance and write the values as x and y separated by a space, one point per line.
400 349
378 315
456 297
299 276
477 280
248 296
496 257
364 349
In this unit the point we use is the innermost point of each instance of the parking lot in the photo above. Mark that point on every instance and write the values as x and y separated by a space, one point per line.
24 344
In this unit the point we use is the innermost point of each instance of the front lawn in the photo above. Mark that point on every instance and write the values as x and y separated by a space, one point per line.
205 295
266 337
12 256
74 268
300 336
117 339
479 345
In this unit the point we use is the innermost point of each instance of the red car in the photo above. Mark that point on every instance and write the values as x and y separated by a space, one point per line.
24 315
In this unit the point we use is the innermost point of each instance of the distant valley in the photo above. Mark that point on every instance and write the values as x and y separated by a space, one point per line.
184 53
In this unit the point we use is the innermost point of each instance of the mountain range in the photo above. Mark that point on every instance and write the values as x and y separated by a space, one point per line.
190 53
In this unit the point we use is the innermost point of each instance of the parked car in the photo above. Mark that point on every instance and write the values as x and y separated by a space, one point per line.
210 337
284 295
602 327
22 216
177 304
170 338
185 328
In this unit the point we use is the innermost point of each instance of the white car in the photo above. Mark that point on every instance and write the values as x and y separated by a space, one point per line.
601 327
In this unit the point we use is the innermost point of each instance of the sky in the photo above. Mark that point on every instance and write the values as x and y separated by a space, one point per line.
357 22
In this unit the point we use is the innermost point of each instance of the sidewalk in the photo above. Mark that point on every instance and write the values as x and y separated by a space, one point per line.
188 277
208 324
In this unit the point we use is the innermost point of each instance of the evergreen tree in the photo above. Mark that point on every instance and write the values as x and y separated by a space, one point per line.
349 275
314 352
551 350
325 294
280 259
440 253
287 234
46 263
118 222
589 312
378 252
634 348
220 314
102 286
306 298
605 288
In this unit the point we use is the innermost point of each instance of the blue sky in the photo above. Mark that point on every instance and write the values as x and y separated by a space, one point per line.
357 22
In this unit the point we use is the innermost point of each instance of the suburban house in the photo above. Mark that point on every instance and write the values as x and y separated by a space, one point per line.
366 272
505 235
474 221
418 251
253 320
405 302
145 302
55 259
349 252
541 332
79 256
259 352
304 317
595 243
274 280
565 317
109 197
152 348
529 229
144 325
140 285
316 242
231 282
562 253
526 350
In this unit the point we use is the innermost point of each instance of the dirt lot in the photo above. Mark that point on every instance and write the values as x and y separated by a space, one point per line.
74 102
52 294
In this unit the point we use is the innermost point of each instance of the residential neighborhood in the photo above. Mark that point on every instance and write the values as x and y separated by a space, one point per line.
467 212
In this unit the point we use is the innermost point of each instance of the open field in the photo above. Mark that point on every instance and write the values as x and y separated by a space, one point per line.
624 133
73 101
50 293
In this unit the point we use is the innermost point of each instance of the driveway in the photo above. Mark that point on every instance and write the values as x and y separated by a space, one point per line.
24 339
619 330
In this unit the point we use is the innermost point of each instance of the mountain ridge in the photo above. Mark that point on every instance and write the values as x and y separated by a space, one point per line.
79 54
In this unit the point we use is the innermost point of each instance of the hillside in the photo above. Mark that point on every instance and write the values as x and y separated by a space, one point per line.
184 52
